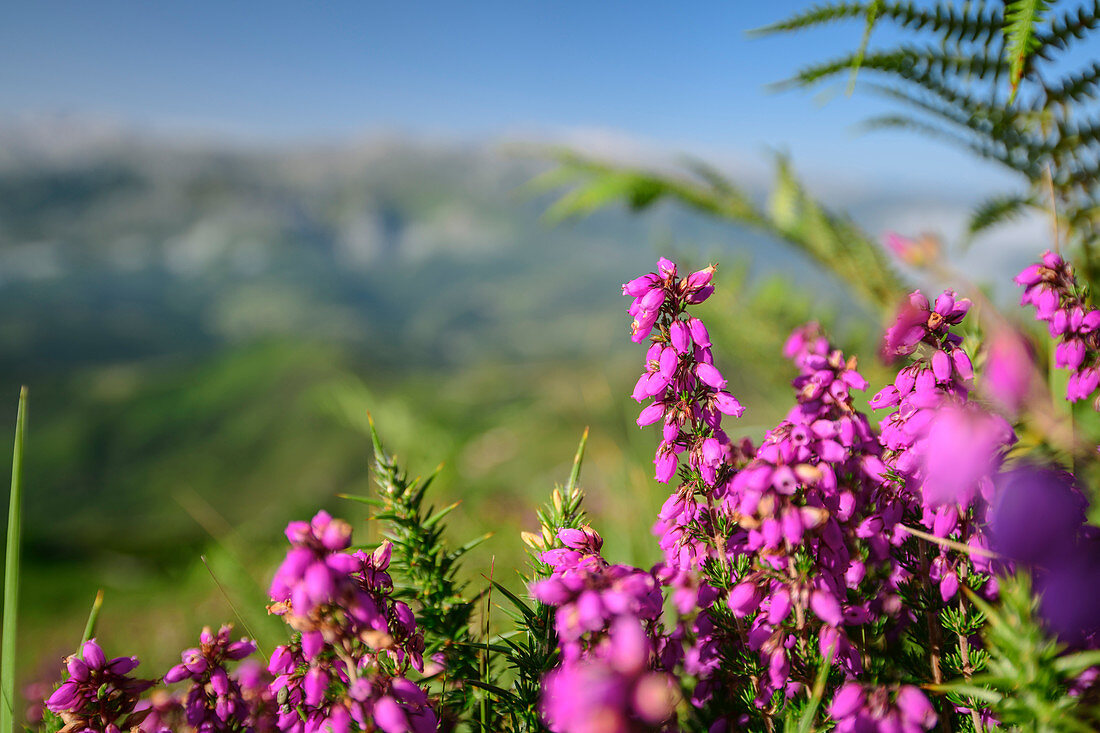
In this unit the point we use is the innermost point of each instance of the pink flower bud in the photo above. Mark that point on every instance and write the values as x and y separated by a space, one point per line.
728 405
680 335
847 701
700 279
63 697
639 286
666 466
710 376
700 335
315 684
826 606
744 598
1030 275
941 365
669 360
650 414
93 655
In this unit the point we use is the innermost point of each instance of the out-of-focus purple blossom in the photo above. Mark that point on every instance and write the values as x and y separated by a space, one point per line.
916 252
859 709
1037 515
1068 601
1009 370
959 453
617 692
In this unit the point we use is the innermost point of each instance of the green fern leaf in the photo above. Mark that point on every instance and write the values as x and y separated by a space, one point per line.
1022 18
996 210
1077 87
1072 25
976 22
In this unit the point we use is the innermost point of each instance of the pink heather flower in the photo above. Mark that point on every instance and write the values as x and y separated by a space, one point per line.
847 701
613 692
680 335
639 286
99 694
859 709
744 598
915 252
960 451
699 333
710 376
1050 286
650 414
909 327
826 606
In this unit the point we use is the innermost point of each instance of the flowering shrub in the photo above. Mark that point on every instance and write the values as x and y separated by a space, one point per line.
925 572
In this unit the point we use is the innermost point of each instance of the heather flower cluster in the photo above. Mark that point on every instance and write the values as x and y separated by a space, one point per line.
942 449
99 694
215 700
344 669
688 391
932 571
856 709
1051 288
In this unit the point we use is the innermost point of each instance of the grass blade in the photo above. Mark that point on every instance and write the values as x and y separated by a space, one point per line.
93 617
11 573
575 474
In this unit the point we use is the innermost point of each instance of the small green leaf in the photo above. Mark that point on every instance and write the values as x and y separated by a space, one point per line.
499 692
434 519
516 600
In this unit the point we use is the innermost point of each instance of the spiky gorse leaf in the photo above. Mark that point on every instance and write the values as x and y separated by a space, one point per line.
533 649
1030 681
426 567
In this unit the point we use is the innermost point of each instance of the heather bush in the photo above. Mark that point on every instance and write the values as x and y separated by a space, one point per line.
918 558
925 571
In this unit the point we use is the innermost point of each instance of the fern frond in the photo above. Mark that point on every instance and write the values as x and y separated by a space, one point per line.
969 23
873 11
905 59
1073 25
996 210
1022 18
1079 86
988 137
1075 139
794 216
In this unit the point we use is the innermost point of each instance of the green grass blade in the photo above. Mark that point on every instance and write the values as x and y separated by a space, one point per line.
93 618
11 573
575 474
806 723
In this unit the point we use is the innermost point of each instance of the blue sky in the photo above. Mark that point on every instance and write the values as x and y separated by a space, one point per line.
679 74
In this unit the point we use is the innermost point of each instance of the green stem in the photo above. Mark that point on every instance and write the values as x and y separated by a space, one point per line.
11 574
